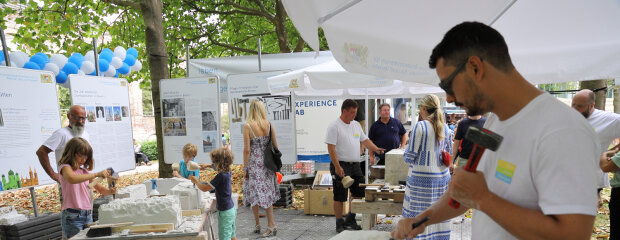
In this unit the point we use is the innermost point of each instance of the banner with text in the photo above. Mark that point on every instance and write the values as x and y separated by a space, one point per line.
311 131
108 119
190 114
245 87
29 114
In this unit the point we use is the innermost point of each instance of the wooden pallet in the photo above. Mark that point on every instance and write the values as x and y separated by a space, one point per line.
396 195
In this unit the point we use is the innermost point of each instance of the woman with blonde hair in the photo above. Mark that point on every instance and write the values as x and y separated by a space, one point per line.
260 188
428 176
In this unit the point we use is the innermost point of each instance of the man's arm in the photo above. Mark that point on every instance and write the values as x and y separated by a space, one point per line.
372 147
470 189
331 149
403 140
44 159
606 164
455 148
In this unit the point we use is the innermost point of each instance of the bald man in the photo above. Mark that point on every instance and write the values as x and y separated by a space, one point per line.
605 124
56 142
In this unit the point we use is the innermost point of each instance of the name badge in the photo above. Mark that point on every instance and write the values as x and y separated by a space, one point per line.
505 171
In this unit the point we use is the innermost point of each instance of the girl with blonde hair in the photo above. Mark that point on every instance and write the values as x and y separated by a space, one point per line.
428 176
260 188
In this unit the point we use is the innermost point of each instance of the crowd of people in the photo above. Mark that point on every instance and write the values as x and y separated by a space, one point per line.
541 183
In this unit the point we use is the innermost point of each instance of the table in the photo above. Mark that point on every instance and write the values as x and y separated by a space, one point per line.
369 210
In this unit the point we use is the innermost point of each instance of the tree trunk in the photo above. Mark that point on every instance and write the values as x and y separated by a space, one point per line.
600 95
158 62
280 25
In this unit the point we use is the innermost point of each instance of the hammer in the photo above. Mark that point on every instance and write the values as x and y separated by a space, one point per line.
483 139
193 166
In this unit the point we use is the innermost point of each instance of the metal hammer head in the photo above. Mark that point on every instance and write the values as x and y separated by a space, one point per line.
484 137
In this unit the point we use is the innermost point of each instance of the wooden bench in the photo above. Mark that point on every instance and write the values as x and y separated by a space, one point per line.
369 210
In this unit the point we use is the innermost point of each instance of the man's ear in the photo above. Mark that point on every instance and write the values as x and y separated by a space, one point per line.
477 67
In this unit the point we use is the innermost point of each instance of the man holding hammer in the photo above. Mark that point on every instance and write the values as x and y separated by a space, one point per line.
536 185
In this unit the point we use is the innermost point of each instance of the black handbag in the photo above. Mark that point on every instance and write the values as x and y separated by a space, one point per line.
273 156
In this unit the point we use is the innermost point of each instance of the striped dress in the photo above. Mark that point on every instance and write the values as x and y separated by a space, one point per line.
428 177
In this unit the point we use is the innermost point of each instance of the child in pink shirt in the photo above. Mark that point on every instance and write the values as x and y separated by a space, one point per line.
75 164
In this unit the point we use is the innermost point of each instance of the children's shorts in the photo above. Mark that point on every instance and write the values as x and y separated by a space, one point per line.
226 224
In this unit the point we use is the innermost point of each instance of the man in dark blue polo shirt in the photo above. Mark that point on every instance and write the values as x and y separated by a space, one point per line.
462 147
387 133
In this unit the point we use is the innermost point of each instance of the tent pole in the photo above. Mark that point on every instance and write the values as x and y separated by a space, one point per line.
7 61
187 61
501 13
96 56
367 151
260 68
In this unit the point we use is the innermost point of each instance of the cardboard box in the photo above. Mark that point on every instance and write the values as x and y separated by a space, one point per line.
321 202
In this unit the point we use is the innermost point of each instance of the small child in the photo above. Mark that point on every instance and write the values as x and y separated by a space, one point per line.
75 164
222 158
189 153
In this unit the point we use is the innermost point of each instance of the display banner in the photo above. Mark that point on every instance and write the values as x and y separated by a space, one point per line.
279 108
312 119
29 114
108 119
190 114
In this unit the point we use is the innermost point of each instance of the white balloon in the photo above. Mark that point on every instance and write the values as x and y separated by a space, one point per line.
116 62
89 56
81 73
3 63
17 59
120 52
59 60
52 68
111 72
136 67
87 67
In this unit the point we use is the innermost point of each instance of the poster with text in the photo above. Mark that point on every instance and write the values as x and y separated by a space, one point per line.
310 132
242 88
29 114
190 114
108 126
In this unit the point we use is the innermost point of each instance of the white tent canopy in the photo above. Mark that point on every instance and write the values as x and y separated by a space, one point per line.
549 41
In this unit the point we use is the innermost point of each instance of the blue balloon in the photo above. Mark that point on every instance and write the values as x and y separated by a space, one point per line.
61 77
107 56
77 60
93 73
103 65
38 60
1 56
44 56
132 51
130 60
116 75
70 68
107 50
124 69
32 65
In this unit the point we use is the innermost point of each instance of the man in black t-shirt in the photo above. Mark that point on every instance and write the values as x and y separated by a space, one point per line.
462 147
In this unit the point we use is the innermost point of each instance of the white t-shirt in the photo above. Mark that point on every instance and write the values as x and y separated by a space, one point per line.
59 139
540 164
607 126
347 138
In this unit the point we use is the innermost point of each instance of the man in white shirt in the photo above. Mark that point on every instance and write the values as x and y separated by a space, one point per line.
56 142
536 185
343 139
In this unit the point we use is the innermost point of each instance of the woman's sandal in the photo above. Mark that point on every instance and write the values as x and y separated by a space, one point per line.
257 229
271 231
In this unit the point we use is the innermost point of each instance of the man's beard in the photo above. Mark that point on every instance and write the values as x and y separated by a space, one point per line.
77 130
585 114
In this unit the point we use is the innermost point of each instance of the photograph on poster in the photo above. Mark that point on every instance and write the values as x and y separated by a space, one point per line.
208 141
90 113
99 112
108 114
173 107
208 121
117 113
125 111
174 127
1 119
278 107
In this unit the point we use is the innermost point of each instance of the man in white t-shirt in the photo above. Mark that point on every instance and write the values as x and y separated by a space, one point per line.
56 142
605 124
343 139
537 184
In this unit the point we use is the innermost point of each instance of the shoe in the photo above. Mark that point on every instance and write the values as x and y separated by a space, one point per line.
257 229
350 222
149 164
339 225
271 231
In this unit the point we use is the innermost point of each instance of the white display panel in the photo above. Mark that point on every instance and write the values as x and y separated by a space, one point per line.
190 114
244 87
29 114
108 119
312 119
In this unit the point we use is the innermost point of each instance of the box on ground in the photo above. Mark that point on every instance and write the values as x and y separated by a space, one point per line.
320 199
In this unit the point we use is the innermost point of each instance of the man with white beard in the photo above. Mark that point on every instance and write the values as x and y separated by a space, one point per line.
56 142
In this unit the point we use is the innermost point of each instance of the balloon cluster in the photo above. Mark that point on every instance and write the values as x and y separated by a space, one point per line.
111 63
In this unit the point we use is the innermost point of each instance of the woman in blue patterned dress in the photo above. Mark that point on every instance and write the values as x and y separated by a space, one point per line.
428 176
260 188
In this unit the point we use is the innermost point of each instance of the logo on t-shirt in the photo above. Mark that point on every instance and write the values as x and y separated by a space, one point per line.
504 171
356 135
